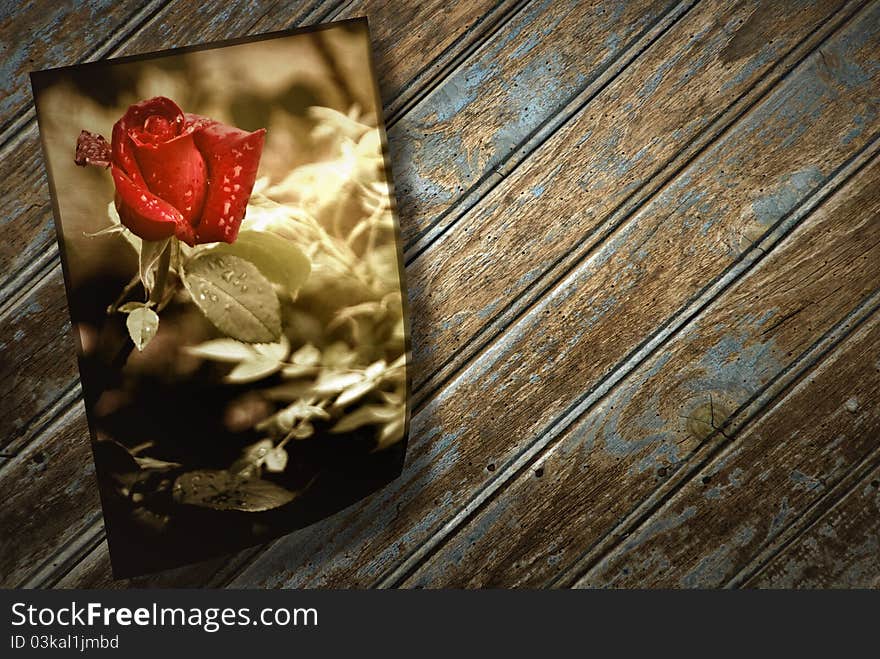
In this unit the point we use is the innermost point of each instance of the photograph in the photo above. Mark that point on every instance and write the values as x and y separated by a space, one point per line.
227 227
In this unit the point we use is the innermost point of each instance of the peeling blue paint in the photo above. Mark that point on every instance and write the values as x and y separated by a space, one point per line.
793 187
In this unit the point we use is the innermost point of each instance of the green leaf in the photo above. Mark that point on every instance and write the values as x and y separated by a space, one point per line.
234 296
221 490
308 355
332 383
392 432
255 360
279 259
142 325
300 410
276 351
251 458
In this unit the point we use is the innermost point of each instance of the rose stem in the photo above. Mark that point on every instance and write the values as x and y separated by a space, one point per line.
161 274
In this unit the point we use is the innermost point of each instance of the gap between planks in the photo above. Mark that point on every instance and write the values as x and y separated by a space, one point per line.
449 61
616 66
722 441
671 328
15 288
741 109
814 514
483 28
619 216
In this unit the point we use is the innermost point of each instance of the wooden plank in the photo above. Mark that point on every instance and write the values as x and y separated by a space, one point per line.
470 126
102 20
51 351
683 35
840 551
591 175
38 330
422 38
41 362
646 431
30 234
59 501
742 501
639 279
94 572
25 208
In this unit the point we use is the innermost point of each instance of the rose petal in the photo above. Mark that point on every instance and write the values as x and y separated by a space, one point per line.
134 118
145 214
175 171
232 156
123 153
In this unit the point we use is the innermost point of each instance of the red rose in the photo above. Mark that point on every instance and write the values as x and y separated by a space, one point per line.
182 174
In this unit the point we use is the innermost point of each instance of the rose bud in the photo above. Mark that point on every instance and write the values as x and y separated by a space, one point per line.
182 174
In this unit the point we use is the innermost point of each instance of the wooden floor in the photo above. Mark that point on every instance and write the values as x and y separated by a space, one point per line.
643 257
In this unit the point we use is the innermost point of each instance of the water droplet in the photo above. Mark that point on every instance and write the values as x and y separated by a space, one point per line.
235 282
244 288
213 298
243 275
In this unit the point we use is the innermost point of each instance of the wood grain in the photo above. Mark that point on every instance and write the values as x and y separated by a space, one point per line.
469 126
40 328
59 502
839 551
685 30
688 235
102 21
572 179
648 428
783 464
587 178
40 319
25 207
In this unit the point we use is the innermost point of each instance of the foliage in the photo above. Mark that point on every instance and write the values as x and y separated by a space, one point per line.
307 311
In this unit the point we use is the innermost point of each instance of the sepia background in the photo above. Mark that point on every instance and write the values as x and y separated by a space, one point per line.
317 420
